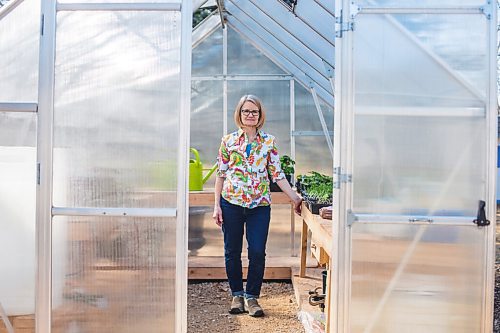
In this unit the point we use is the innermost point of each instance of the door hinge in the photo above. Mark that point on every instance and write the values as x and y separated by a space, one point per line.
340 177
38 173
342 26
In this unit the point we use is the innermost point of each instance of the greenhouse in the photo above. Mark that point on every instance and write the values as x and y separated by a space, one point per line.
111 119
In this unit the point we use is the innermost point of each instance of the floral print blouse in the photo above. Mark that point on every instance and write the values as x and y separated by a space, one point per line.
247 178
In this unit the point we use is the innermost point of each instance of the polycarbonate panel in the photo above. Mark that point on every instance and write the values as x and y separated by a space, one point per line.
306 115
19 44
420 61
113 274
416 278
17 209
244 58
312 154
419 129
206 119
207 56
275 96
116 112
418 3
123 1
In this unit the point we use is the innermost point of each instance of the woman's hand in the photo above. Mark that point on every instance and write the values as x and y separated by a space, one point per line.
217 215
297 205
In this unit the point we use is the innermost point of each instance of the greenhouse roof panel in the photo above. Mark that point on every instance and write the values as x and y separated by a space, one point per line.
292 41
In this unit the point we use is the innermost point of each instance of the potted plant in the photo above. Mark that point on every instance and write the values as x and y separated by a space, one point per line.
316 189
288 168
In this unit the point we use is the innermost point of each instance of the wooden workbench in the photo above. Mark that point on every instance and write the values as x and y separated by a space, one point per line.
213 267
321 240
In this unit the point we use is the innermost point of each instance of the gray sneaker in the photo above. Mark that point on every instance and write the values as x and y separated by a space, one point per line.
237 305
253 308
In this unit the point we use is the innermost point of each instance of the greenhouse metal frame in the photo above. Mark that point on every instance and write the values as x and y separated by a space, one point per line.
312 59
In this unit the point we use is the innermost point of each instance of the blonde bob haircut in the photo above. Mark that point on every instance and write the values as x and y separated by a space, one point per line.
256 101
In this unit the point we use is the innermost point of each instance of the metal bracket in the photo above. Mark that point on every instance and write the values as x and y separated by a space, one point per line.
341 178
354 9
351 218
486 10
329 69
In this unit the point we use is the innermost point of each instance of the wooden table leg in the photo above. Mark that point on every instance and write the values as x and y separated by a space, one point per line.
328 296
303 249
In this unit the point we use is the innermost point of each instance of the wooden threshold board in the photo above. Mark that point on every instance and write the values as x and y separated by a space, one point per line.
212 268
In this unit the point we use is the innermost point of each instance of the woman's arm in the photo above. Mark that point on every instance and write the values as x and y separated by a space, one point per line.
217 216
297 200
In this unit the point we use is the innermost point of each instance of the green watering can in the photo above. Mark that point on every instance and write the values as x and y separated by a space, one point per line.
196 179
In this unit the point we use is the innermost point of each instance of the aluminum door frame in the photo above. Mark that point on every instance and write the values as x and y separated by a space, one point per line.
44 206
340 279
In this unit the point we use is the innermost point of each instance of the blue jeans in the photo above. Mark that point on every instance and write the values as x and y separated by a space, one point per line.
256 221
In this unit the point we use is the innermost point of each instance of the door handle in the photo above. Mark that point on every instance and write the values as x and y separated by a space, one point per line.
481 220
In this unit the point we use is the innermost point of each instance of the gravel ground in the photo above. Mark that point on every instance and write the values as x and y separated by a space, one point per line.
208 305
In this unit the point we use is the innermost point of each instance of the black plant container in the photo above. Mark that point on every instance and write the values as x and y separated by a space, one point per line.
275 188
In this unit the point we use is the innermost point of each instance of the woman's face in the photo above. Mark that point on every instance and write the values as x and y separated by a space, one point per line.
249 114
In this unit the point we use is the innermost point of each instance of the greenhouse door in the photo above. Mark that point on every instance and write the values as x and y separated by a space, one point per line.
113 137
416 139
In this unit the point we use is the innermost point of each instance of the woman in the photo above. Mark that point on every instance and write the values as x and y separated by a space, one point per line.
248 159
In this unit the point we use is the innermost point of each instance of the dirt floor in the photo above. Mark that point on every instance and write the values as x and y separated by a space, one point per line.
208 305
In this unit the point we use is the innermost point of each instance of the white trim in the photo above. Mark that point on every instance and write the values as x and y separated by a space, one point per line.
181 270
9 7
43 298
491 180
18 107
224 83
83 6
111 211
415 219
292 155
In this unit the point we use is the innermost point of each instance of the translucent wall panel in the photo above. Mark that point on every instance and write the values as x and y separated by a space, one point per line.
206 119
116 108
244 58
312 154
17 209
125 1
275 95
311 151
113 275
416 278
306 115
19 39
419 130
207 56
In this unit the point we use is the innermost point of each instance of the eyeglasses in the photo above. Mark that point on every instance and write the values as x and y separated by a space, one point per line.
254 113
